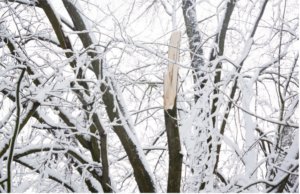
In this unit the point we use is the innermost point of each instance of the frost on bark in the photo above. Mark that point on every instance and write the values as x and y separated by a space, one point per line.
200 156
196 51
94 112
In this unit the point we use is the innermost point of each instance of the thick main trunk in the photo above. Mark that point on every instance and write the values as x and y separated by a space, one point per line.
170 111
175 157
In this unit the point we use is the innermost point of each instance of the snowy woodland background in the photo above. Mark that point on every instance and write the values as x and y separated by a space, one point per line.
82 96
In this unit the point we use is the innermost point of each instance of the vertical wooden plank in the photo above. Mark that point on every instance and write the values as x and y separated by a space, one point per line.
170 81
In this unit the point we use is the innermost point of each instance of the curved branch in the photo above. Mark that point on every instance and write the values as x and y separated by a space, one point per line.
220 40
15 133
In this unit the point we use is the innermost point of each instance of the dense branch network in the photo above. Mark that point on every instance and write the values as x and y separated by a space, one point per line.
99 96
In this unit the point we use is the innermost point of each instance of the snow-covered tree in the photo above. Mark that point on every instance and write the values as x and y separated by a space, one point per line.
149 96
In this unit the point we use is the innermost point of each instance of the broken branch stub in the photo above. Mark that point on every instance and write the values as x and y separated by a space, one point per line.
170 80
